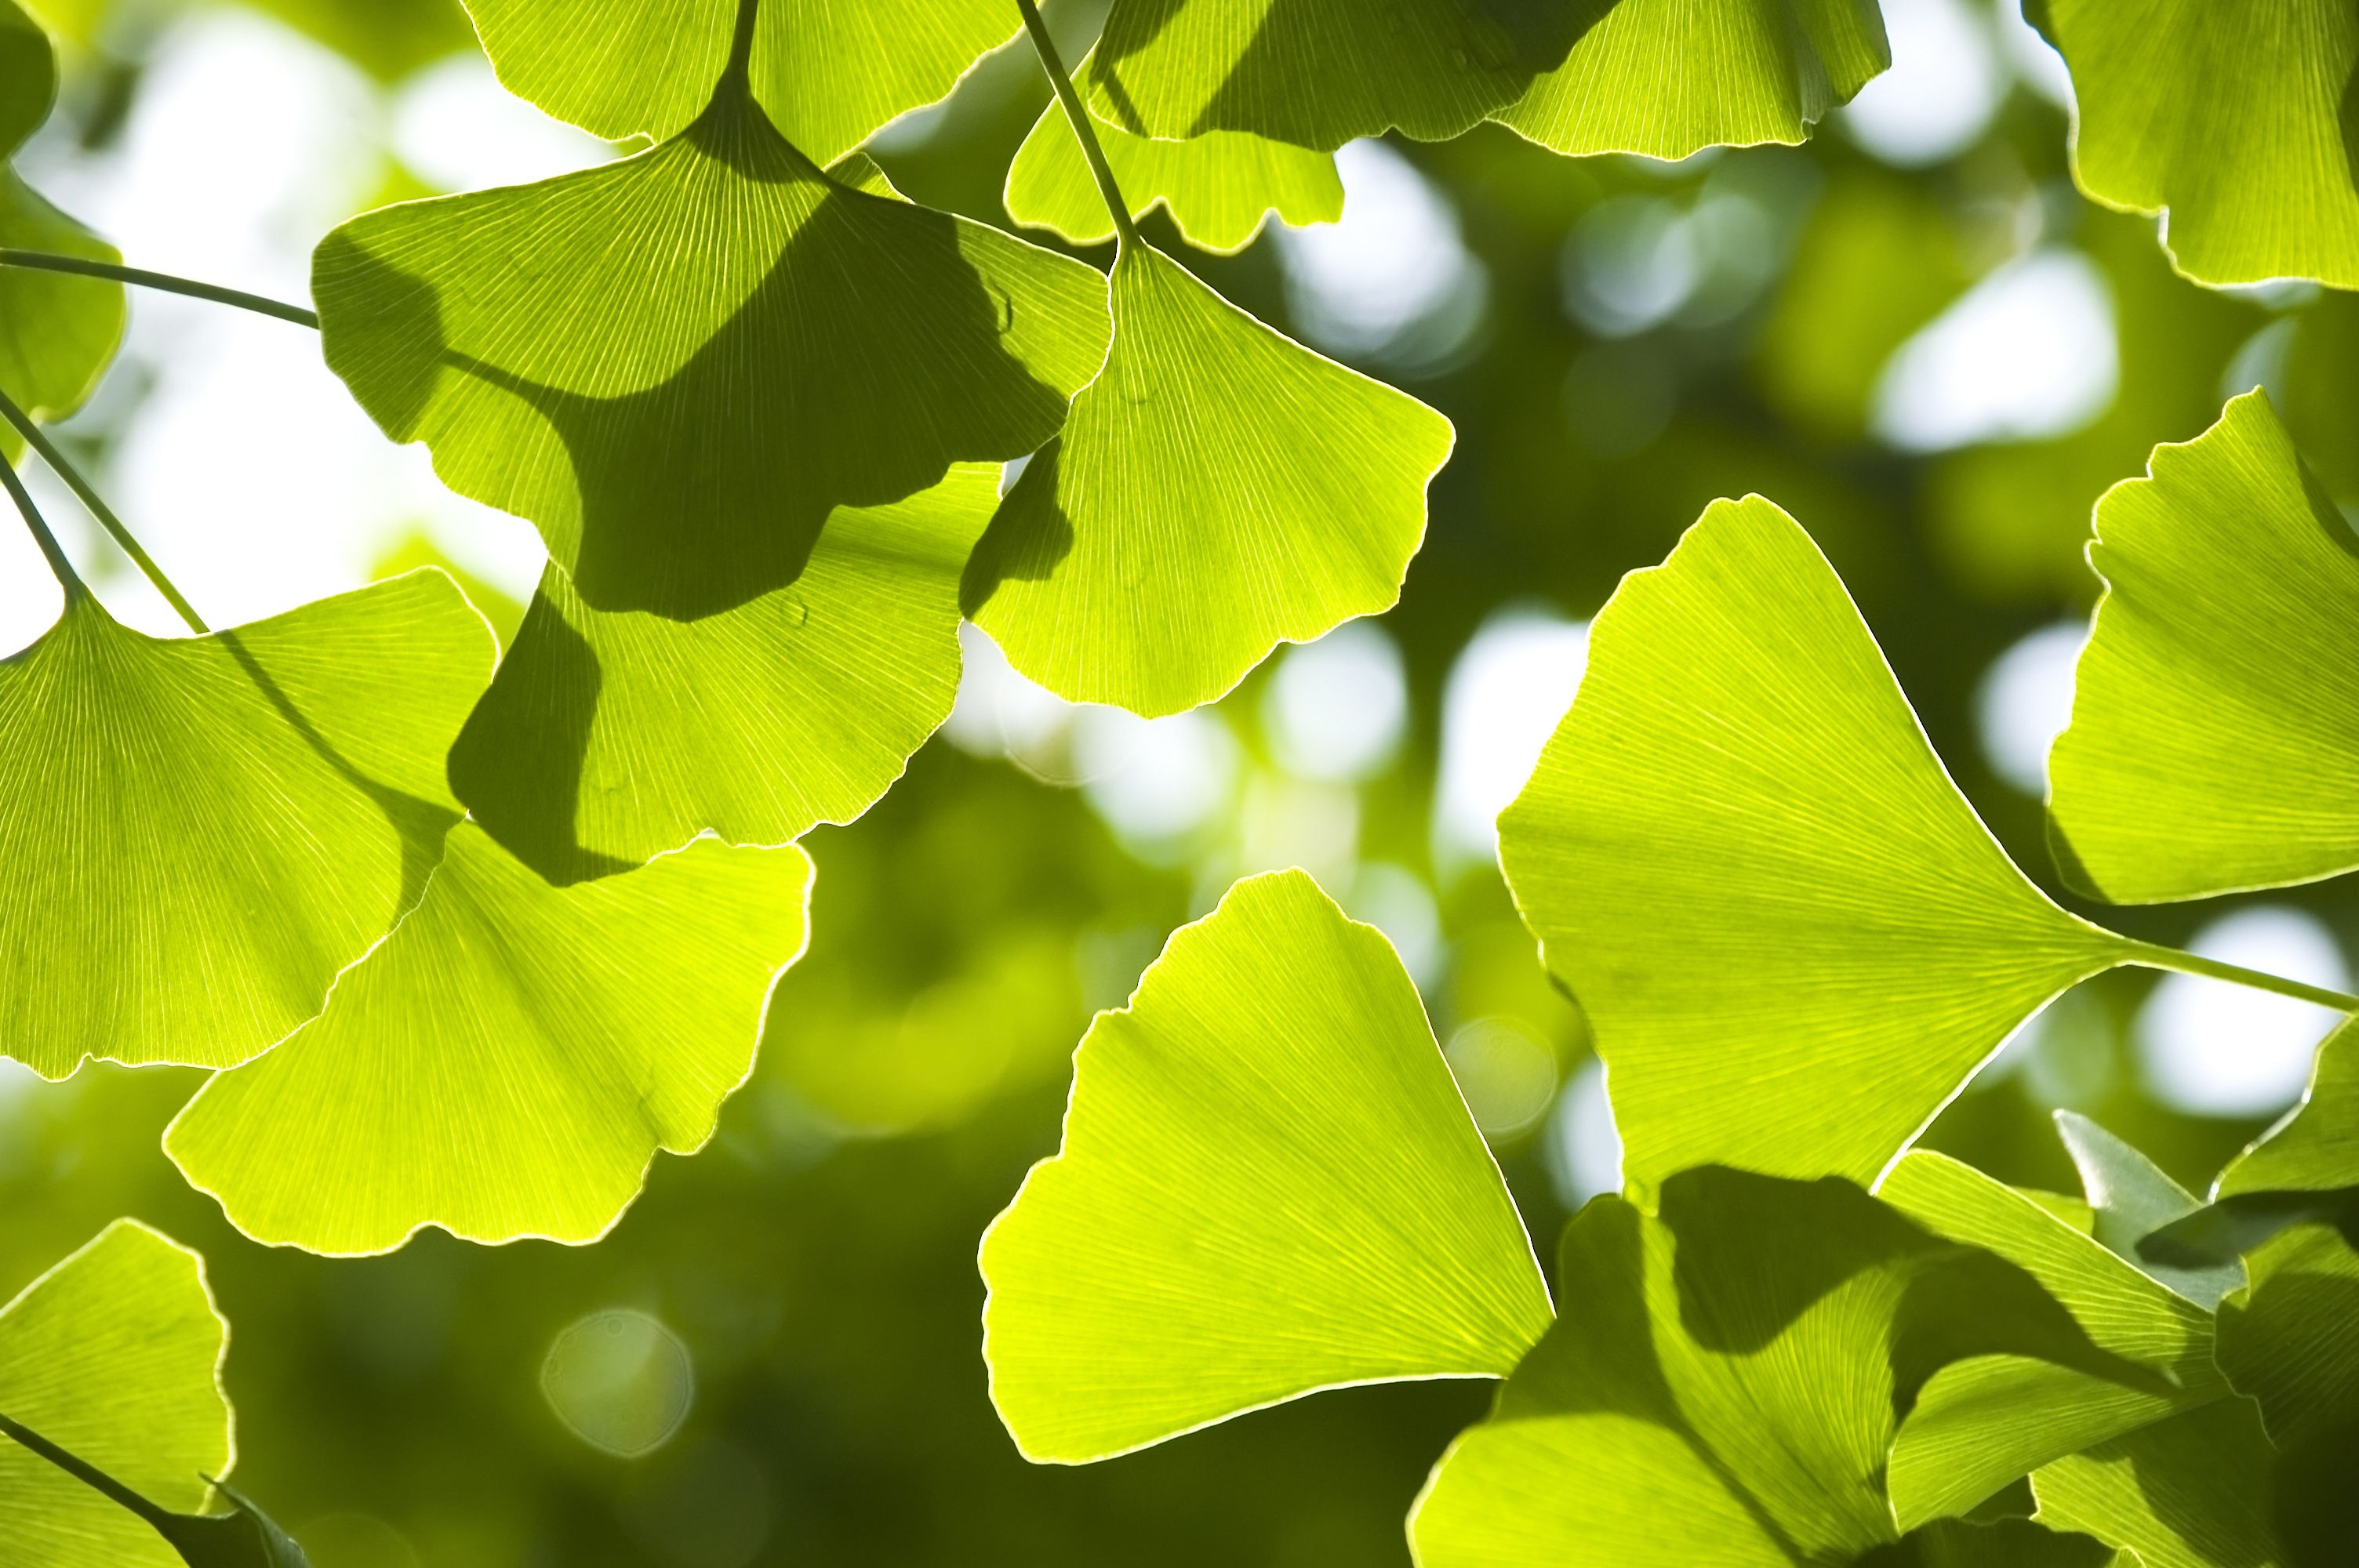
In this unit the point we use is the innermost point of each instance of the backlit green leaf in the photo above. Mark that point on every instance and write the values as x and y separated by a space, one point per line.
2315 1149
2194 1491
56 333
1982 1422
200 832
2291 1340
679 364
608 738
1667 78
2132 1198
826 74
1792 937
114 1355
1269 1185
2229 119
1218 490
2215 714
1218 187
1724 1384
510 1060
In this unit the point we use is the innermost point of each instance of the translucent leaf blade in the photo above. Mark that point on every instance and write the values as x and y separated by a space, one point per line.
2316 1149
1267 1186
1791 936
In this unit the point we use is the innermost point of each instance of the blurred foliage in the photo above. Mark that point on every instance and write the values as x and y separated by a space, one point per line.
817 1261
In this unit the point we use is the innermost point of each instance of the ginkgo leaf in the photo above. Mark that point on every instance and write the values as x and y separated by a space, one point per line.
2194 1491
1269 1185
2215 713
57 332
1667 78
508 1062
1218 188
199 832
1793 939
2290 1340
2315 1148
114 1354
1218 490
1982 1422
2131 1197
2230 120
1319 73
826 74
1724 1382
679 364
608 738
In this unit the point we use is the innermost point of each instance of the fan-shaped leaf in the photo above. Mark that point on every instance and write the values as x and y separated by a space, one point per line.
56 333
2230 120
826 72
679 364
1792 937
1667 78
1724 1385
2315 1149
2195 1491
2131 1198
200 832
1218 490
608 738
1218 187
1269 1185
510 1060
2215 714
114 1355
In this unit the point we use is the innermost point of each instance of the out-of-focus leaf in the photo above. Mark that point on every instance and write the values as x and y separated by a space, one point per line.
609 737
57 333
200 832
1986 1420
388 38
509 1060
828 74
1269 1185
1791 934
2212 737
1668 77
2194 1491
1218 188
2228 119
2133 1198
679 365
114 1355
1724 1384
1218 490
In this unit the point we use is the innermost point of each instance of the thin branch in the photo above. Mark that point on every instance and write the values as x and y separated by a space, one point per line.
1079 118
63 467
81 268
2153 957
14 484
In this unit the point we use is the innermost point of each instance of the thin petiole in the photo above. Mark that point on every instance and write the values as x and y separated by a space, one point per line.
1079 118
81 268
63 467
14 484
2154 956
81 1470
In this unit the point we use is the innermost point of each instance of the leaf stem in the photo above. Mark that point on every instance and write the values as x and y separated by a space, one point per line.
89 1475
63 467
51 549
2154 956
1079 118
80 266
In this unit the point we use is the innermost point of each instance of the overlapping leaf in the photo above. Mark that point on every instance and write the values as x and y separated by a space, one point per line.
1219 489
1218 188
1725 1383
609 737
2229 119
2315 1149
510 1060
826 74
1792 938
1268 1184
114 1355
2215 715
1667 78
200 832
679 365
2131 1197
56 333
2194 1491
